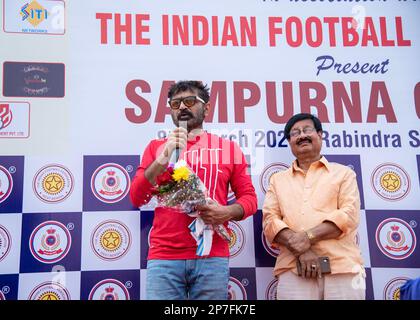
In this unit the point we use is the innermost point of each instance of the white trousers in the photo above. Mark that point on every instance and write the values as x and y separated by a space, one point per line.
346 286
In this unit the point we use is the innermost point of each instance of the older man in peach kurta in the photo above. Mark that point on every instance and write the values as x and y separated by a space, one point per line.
312 210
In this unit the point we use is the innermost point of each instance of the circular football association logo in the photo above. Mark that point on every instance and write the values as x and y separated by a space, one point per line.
111 240
49 290
270 250
390 182
392 288
268 172
110 183
50 242
109 289
5 242
236 290
237 238
395 238
271 291
53 183
6 184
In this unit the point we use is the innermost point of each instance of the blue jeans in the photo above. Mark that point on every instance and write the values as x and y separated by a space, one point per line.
195 279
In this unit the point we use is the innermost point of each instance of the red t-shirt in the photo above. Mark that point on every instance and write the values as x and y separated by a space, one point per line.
217 162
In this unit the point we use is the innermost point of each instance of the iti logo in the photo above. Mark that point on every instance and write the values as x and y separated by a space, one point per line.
236 289
111 240
390 182
237 238
49 290
6 115
270 250
50 242
110 289
395 238
271 291
110 183
33 13
5 242
34 16
53 183
6 184
392 288
268 172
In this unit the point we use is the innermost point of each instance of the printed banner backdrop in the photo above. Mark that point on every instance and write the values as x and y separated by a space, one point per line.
83 90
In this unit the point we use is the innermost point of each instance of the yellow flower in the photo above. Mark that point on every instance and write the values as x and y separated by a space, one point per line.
181 173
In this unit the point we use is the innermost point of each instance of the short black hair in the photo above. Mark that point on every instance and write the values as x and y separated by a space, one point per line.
190 85
299 117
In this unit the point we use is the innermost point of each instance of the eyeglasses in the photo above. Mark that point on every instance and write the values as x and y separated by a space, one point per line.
189 102
296 132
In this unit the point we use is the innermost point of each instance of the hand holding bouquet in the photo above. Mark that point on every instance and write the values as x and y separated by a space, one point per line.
180 188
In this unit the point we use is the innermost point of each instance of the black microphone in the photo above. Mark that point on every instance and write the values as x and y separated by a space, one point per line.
177 151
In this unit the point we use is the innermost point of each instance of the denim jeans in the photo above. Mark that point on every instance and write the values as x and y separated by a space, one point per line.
195 279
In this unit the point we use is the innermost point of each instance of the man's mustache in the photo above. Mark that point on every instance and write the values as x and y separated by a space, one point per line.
304 139
185 113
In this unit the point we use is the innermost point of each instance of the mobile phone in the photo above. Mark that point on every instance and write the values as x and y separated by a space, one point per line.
324 262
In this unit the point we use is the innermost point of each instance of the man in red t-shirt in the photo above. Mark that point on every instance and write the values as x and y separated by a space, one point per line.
174 271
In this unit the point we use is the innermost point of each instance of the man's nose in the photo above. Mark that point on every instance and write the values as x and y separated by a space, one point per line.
182 105
301 133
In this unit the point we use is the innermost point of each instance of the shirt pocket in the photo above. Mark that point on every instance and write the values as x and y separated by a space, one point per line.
325 198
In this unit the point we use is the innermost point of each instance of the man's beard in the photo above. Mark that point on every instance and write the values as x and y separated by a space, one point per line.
192 121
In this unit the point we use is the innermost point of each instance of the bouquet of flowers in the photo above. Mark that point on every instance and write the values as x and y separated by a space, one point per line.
180 188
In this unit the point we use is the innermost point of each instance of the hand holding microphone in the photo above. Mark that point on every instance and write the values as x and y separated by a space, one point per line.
177 141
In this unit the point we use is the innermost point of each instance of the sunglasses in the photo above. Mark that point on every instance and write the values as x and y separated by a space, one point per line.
189 102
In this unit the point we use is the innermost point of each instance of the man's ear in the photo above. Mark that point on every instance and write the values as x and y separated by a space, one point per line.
206 109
